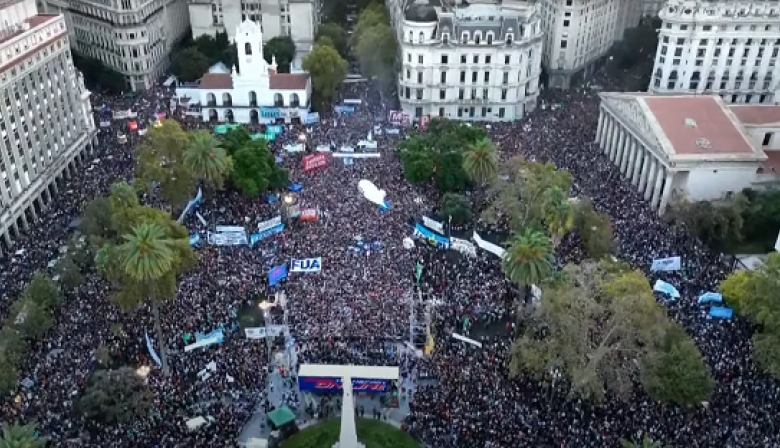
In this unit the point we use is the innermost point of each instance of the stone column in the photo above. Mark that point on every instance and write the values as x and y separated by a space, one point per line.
640 157
651 175
600 127
25 223
613 141
604 138
659 180
32 212
667 193
7 238
628 170
15 226
621 148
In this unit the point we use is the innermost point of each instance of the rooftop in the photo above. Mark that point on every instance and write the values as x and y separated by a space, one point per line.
277 81
698 125
751 114
30 23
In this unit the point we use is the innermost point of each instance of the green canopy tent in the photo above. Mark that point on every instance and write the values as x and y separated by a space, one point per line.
281 417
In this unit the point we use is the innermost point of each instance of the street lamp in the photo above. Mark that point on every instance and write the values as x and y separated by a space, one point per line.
266 306
143 371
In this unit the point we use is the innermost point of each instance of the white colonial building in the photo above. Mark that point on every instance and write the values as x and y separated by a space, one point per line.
727 48
477 62
258 94
45 118
694 146
579 32
295 18
133 37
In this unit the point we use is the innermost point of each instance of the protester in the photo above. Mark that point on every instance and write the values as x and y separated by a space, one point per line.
356 309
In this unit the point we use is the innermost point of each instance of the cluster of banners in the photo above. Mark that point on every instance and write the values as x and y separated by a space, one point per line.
315 161
267 331
669 264
306 265
488 246
717 311
297 147
266 229
228 236
433 231
260 136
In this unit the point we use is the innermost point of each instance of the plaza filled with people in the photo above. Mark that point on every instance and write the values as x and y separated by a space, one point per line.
358 304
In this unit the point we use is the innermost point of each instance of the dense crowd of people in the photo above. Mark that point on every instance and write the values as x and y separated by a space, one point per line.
358 305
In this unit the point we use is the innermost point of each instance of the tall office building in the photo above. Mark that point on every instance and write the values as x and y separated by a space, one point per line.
476 61
46 121
727 48
133 37
295 18
579 32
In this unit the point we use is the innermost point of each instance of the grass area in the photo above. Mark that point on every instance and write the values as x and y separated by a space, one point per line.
372 433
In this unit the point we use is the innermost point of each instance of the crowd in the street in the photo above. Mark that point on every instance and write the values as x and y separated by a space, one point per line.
359 303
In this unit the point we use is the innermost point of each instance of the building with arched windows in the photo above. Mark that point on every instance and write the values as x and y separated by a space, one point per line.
729 49
255 94
478 61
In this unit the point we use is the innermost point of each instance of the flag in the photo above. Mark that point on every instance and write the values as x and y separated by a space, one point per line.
418 272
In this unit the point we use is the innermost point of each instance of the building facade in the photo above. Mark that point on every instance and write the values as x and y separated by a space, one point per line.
255 95
133 37
580 32
46 121
477 62
729 49
693 146
295 18
651 8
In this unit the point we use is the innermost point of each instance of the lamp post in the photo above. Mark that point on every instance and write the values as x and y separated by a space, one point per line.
266 306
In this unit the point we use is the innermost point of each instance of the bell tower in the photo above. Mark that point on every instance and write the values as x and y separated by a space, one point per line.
249 43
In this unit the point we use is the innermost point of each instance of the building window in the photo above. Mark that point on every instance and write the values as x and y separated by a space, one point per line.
462 76
487 59
419 94
408 74
564 43
477 38
503 94
445 38
509 38
506 78
419 77
566 23
487 76
473 76
476 59
442 94
444 58
461 93
507 58
484 94
441 111
248 49
443 77
767 139
490 38
421 38
464 37
500 112
420 59
460 112
484 111
463 59
418 112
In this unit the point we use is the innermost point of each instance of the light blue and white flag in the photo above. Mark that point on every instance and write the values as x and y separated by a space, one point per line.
666 288
150 347
666 264
721 312
711 297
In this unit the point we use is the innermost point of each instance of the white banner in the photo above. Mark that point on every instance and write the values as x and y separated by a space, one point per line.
306 265
463 246
105 124
357 155
227 239
666 264
367 144
323 148
488 246
261 332
436 226
294 148
265 225
143 131
230 229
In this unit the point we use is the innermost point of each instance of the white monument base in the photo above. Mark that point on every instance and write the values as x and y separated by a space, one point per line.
359 445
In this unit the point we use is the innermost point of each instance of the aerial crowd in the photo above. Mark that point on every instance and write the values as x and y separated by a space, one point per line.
359 301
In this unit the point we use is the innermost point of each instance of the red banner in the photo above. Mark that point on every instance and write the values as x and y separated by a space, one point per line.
309 214
398 118
315 161
132 125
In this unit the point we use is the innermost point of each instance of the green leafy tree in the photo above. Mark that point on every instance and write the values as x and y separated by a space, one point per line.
235 139
527 193
69 273
754 294
207 160
160 162
373 15
148 257
594 229
591 329
9 376
717 223
283 48
646 442
212 47
43 291
115 396
760 217
376 52
529 259
21 436
337 37
31 319
456 207
252 174
559 215
327 70
480 163
676 372
12 344
189 64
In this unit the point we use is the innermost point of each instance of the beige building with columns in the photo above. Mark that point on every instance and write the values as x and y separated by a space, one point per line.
688 145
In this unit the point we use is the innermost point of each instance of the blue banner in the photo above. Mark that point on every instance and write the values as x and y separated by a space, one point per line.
333 385
666 264
711 297
721 312
277 274
666 288
270 112
194 240
275 129
344 110
311 118
255 237
150 347
295 187
421 231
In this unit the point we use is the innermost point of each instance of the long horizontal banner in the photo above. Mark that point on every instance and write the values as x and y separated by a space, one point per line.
255 237
261 332
422 232
318 384
436 226
357 155
666 264
265 225
488 246
227 239
229 229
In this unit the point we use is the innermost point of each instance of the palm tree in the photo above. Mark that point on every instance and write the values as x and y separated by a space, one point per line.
147 256
559 215
206 159
529 259
646 442
20 436
480 163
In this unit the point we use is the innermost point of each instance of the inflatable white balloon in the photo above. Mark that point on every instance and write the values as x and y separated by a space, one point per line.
408 243
372 193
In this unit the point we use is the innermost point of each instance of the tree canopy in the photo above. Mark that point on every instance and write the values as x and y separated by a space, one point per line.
594 229
21 436
189 64
457 207
115 396
374 45
327 69
254 167
283 48
336 35
600 329
755 295
160 163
